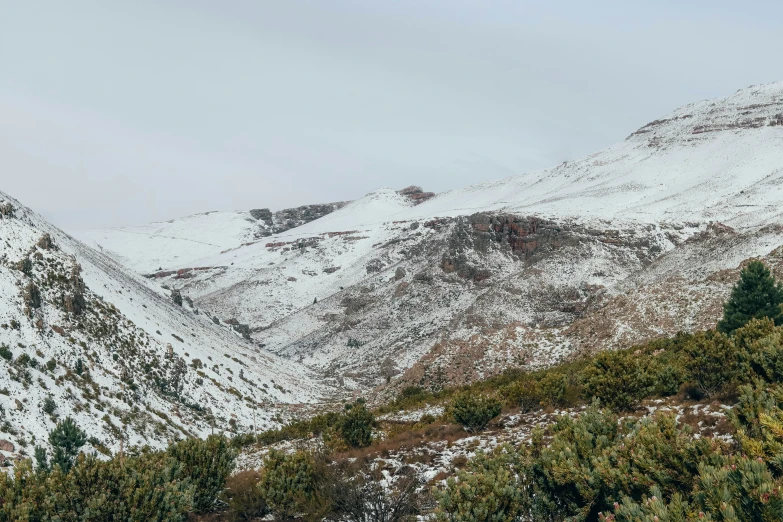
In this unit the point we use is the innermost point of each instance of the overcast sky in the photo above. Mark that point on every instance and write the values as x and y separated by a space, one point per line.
122 112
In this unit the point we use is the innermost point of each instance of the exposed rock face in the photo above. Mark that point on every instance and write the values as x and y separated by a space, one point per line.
6 445
7 210
416 194
282 220
45 242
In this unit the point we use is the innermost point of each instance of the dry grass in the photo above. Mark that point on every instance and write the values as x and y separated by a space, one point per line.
406 440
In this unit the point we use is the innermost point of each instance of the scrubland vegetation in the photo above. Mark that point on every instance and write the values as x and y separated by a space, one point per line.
606 460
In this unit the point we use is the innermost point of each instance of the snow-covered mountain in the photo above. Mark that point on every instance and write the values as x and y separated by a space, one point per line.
635 241
82 336
155 246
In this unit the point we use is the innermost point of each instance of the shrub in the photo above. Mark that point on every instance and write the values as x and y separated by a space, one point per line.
66 440
359 495
51 364
206 464
474 411
490 491
742 486
620 379
565 482
558 387
289 484
243 496
714 362
49 405
5 352
356 425
754 296
740 489
523 393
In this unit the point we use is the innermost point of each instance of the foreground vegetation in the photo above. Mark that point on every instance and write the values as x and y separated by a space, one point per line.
603 464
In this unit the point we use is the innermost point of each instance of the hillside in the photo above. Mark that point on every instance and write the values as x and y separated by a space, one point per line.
177 242
83 337
634 242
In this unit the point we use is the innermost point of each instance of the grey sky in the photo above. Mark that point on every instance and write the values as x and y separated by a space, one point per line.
117 113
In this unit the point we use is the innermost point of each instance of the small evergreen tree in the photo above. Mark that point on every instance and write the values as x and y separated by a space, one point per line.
755 295
289 484
41 459
207 464
356 425
66 440
49 405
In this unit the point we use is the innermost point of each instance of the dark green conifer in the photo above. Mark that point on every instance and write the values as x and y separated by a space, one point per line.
756 295
66 440
41 459
356 425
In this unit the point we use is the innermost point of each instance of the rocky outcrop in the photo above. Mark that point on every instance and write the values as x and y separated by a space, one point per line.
416 194
282 220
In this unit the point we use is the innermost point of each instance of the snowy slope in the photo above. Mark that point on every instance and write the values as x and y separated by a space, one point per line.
126 362
147 248
179 242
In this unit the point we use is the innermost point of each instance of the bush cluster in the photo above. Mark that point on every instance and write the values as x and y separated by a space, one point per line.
149 485
594 467
474 412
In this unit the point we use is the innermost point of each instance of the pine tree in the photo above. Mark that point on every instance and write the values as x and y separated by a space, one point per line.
41 459
205 464
356 425
756 295
289 484
66 439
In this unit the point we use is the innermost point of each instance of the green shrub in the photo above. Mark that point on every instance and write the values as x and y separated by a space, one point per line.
559 387
289 484
136 489
742 487
620 379
205 464
565 482
5 352
41 459
523 393
48 405
754 296
66 440
474 411
490 493
714 362
652 508
356 425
